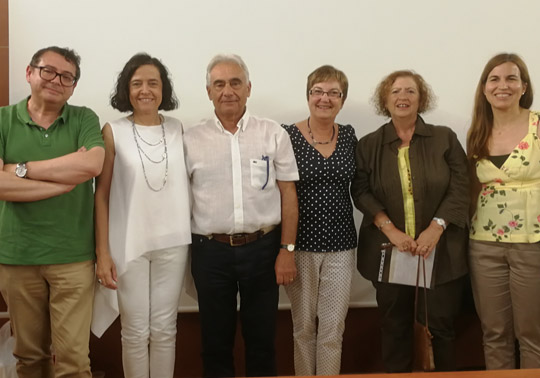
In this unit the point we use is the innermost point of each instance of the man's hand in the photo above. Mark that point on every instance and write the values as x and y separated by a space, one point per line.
285 267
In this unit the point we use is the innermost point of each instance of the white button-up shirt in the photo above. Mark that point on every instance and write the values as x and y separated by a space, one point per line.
233 176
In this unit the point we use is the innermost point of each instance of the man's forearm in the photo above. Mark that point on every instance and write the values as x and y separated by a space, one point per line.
289 211
285 266
15 189
73 168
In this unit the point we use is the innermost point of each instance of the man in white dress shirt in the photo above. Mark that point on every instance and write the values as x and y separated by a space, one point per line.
245 214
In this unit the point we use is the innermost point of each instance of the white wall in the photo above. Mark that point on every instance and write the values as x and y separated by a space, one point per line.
282 41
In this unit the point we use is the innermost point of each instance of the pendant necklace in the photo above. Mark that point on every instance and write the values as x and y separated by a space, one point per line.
140 150
313 141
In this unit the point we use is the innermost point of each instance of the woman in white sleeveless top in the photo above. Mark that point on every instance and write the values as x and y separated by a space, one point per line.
142 220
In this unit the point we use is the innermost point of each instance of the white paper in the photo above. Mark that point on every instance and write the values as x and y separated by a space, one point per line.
403 267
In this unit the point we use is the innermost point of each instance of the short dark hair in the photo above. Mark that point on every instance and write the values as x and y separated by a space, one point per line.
327 73
120 97
426 96
70 55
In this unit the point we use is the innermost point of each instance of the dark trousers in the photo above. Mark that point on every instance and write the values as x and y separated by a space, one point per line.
220 272
396 305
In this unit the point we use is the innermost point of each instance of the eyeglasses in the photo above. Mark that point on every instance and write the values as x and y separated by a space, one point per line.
47 73
318 92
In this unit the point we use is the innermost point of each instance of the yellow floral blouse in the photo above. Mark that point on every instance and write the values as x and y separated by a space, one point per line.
508 208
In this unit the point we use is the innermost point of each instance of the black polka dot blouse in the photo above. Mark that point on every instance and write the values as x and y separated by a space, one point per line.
326 221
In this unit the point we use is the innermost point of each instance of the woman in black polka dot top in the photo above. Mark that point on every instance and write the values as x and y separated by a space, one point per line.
326 240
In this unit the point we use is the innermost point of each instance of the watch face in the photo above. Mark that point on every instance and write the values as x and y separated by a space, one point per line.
290 247
440 222
20 170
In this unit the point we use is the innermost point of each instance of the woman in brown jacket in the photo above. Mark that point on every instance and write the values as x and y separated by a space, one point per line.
411 184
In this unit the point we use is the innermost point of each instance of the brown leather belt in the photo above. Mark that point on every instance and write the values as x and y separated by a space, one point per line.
237 240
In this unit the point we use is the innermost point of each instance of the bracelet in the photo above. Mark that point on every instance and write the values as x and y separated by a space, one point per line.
388 221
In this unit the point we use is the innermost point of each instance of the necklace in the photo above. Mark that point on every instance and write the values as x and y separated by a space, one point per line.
140 150
313 141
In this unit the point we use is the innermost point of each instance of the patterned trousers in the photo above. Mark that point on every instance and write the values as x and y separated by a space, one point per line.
320 292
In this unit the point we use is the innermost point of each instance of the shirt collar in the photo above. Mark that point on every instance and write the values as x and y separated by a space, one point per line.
22 113
420 128
242 123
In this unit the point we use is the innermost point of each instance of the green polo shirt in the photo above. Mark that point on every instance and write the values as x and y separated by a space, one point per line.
56 230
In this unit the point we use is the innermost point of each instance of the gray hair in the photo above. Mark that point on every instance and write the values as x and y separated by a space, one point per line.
226 58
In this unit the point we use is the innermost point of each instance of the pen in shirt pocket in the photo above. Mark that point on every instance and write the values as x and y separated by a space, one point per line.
265 158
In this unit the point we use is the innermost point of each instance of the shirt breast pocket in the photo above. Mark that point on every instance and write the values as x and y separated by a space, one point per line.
262 173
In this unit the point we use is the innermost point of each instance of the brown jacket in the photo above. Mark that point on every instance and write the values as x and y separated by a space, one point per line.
440 186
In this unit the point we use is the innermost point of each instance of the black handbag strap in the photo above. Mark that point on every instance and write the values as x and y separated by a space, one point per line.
421 259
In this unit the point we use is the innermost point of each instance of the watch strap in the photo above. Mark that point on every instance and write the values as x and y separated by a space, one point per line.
288 247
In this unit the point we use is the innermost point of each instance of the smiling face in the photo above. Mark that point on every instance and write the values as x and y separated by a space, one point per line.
145 90
504 87
50 92
403 99
325 107
228 90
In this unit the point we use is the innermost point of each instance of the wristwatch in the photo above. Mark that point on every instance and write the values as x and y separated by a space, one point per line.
20 170
288 247
440 222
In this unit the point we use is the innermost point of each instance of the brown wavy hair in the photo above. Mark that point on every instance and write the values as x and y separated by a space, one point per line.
426 99
482 117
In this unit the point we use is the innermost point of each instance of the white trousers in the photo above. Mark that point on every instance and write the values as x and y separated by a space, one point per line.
321 291
148 295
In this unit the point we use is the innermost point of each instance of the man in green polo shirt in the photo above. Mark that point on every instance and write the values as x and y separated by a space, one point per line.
49 153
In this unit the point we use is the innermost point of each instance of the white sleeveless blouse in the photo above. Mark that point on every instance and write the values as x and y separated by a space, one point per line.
140 219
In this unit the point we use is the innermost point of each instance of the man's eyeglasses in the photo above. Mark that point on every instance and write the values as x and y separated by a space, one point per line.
47 73
318 92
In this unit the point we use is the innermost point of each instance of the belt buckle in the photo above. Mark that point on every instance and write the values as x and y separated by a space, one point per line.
237 236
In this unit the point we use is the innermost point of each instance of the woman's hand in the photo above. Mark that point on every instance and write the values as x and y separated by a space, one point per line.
428 239
106 271
401 240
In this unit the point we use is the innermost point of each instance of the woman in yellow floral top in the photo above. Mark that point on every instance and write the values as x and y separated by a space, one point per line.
504 149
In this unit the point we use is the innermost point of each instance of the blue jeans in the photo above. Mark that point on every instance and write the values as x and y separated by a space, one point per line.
220 272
